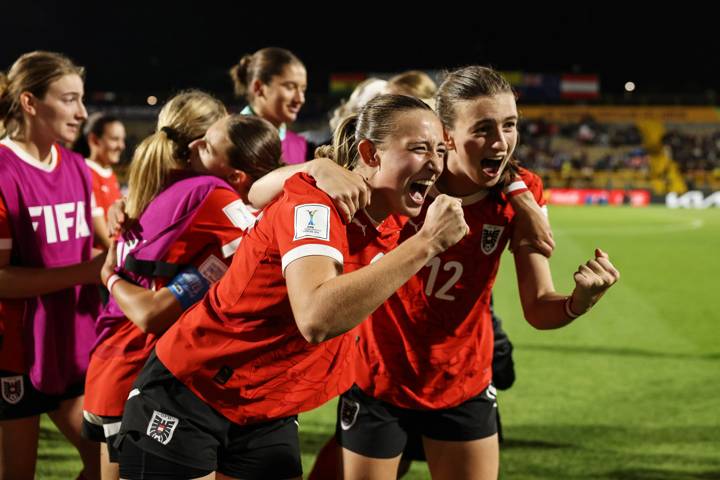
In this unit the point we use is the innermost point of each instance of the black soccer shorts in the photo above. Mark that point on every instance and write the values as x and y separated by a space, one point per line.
377 429
166 428
20 399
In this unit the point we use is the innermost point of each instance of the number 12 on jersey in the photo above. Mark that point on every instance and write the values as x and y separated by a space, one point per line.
442 292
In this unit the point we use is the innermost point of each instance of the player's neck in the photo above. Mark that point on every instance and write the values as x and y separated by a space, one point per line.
39 148
457 185
376 212
454 181
97 159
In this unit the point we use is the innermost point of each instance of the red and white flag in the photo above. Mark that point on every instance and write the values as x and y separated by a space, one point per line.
579 86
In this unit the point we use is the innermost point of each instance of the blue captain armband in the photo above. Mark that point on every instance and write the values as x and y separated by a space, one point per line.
188 286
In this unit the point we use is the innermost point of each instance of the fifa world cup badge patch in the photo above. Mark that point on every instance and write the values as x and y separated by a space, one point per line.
490 238
162 427
312 221
13 389
349 410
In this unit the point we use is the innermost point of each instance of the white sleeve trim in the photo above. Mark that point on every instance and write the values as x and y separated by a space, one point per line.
310 250
516 185
230 247
5 243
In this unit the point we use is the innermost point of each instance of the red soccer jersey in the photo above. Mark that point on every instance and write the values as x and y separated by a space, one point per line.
430 345
207 243
240 349
5 228
106 188
11 311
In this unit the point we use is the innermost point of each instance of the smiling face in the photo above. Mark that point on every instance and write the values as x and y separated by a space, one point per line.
60 112
482 140
408 163
109 146
280 100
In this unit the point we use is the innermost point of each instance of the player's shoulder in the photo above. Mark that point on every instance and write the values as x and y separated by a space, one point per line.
68 155
302 188
529 177
300 183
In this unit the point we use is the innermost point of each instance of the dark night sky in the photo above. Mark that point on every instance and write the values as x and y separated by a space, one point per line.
168 46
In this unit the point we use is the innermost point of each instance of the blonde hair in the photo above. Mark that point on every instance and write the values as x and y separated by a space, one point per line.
414 83
374 122
184 118
363 93
32 72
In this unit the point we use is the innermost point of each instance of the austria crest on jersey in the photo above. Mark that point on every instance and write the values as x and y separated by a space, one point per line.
161 427
490 238
312 220
12 389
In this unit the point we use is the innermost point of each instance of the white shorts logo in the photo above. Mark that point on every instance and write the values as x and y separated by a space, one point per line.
491 392
490 238
312 220
13 389
162 427
349 410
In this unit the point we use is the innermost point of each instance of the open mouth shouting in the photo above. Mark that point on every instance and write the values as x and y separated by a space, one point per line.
419 189
492 166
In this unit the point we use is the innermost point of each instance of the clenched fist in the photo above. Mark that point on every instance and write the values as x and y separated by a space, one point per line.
444 224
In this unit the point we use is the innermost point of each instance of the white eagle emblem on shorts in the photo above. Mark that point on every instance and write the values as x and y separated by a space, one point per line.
161 427
348 413
490 238
13 389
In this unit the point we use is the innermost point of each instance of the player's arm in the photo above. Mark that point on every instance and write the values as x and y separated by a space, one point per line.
531 221
116 218
348 190
544 308
101 232
100 228
326 303
153 311
23 282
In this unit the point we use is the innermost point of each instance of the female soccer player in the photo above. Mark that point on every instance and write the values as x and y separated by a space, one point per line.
273 81
103 141
187 185
48 305
425 354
